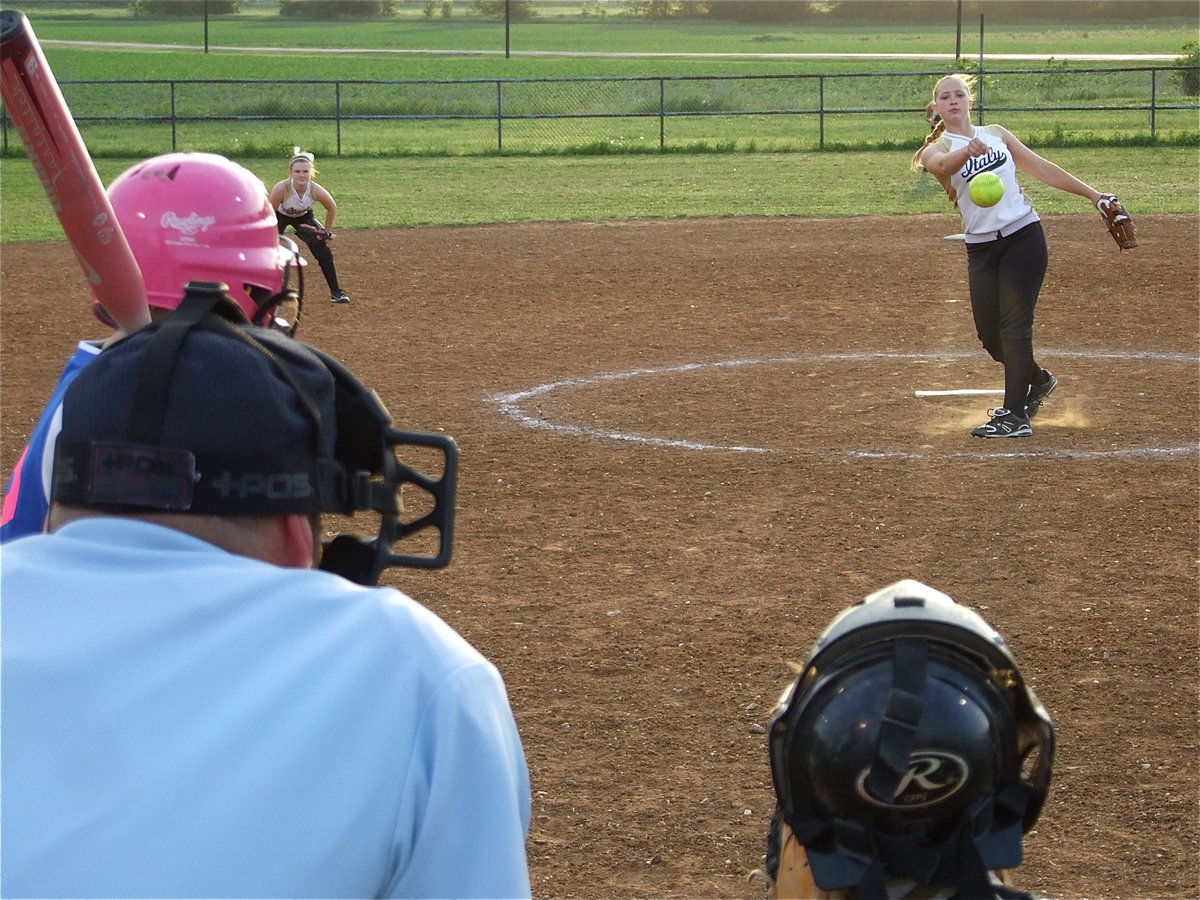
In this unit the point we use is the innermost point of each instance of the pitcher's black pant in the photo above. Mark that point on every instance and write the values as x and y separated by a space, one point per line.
1005 276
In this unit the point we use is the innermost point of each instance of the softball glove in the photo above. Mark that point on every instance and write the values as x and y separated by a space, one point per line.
1118 222
319 234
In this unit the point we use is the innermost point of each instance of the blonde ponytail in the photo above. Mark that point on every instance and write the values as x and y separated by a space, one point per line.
936 132
938 128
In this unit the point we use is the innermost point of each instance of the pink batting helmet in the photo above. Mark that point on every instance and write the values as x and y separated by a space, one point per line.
201 217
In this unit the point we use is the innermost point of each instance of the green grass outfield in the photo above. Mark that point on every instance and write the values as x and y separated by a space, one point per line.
379 191
472 47
558 42
101 45
375 192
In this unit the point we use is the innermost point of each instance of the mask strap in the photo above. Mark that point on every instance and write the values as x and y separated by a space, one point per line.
901 718
154 369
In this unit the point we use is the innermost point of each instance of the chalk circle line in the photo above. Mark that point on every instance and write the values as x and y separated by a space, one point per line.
513 405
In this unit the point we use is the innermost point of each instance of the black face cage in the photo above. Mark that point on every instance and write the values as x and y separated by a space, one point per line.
374 479
364 474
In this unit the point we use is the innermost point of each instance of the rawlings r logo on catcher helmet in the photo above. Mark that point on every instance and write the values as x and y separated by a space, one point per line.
932 777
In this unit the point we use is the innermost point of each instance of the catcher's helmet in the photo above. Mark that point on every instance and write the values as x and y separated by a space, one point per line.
201 217
909 747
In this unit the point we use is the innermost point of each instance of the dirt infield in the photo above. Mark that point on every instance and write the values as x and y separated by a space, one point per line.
687 444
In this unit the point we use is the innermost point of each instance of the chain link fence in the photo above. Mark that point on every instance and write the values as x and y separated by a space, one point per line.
774 113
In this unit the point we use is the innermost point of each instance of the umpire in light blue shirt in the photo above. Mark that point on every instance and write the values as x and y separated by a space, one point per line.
194 703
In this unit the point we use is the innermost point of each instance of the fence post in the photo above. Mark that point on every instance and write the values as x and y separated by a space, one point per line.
499 119
662 116
174 143
979 107
1153 97
337 106
821 110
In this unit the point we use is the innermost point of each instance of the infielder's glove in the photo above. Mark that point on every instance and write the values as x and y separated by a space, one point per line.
319 234
1118 221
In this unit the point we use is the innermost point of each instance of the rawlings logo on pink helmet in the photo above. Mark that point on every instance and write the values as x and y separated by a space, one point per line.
189 225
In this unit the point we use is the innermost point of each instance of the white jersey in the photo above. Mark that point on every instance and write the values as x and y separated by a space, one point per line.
296 205
1013 212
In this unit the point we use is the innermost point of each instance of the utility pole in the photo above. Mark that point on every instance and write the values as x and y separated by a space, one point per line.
958 34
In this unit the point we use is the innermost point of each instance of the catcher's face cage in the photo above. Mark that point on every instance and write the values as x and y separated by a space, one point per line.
364 473
910 747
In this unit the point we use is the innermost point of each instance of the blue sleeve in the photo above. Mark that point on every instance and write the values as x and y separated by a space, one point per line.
25 500
463 824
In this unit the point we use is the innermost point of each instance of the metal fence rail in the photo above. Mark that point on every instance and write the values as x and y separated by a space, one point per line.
608 114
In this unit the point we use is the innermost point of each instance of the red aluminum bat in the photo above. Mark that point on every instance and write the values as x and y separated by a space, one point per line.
41 116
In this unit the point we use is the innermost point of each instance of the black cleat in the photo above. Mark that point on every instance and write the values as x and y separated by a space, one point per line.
1004 424
1038 394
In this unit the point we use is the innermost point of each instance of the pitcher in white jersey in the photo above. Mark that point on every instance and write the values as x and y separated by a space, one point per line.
293 199
1006 246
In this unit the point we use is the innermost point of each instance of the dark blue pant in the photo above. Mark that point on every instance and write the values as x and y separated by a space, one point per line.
1005 276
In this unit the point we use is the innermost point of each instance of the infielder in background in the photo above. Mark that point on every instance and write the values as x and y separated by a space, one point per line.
908 757
187 216
293 200
1006 246
189 707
